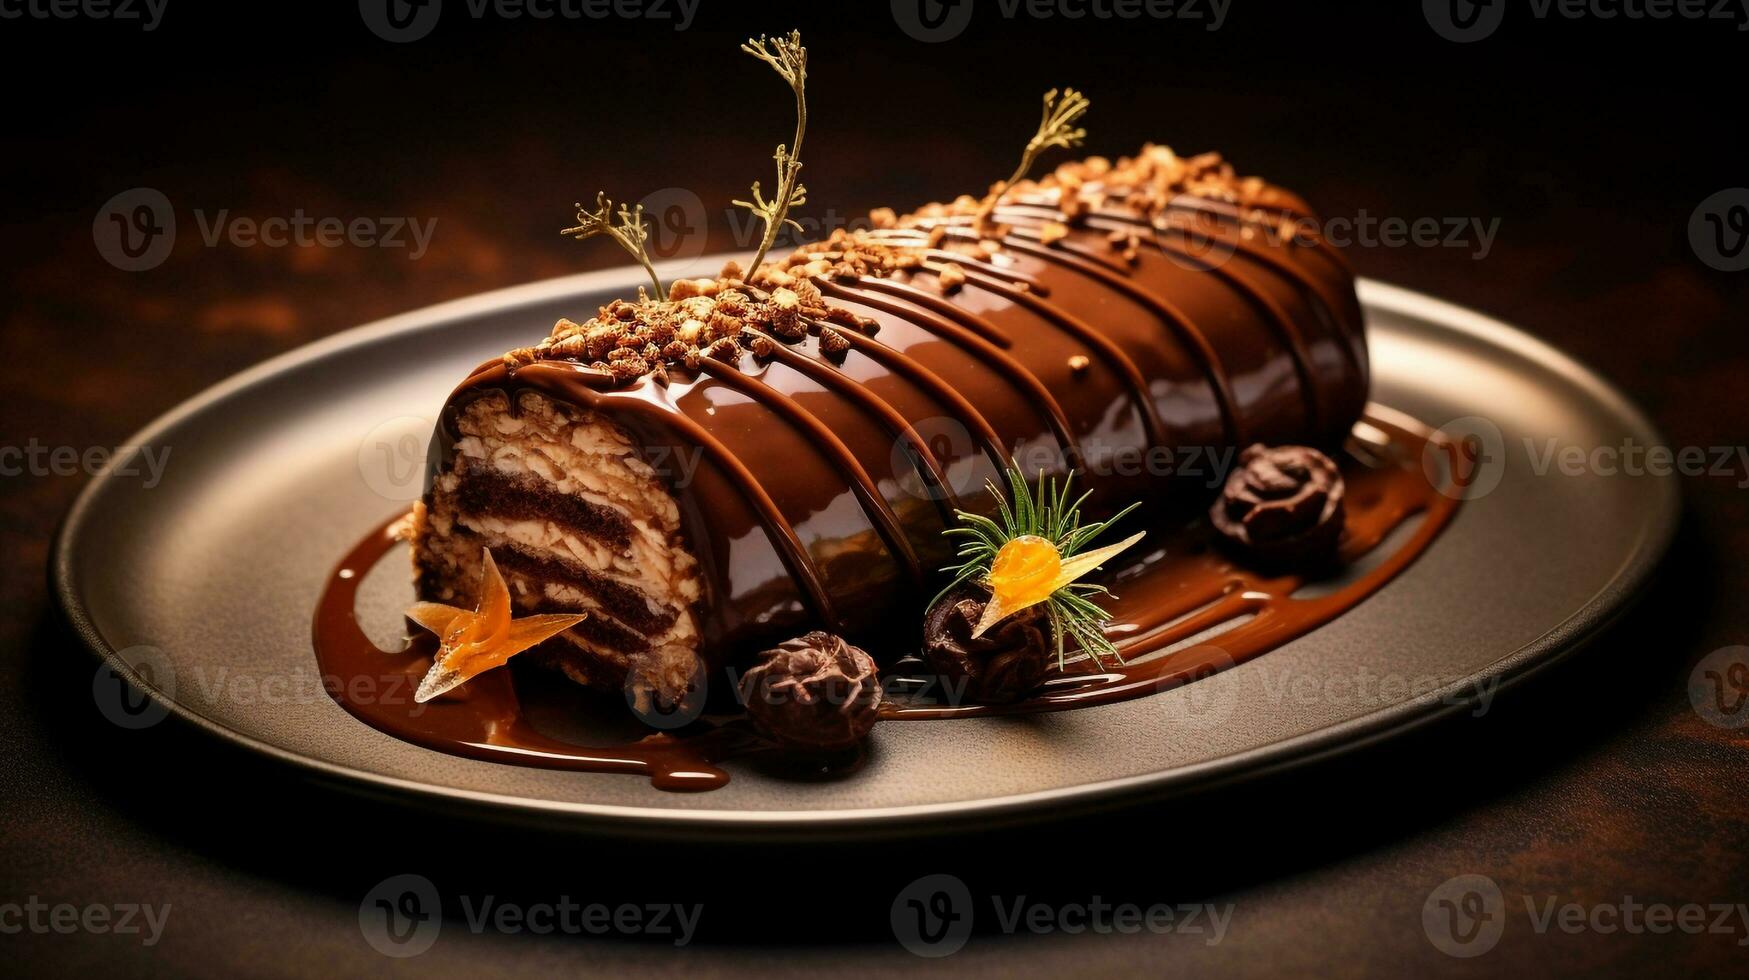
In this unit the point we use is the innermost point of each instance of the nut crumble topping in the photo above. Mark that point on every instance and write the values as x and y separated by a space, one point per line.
724 317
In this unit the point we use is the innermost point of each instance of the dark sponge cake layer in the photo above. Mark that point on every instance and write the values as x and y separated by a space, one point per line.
487 491
575 523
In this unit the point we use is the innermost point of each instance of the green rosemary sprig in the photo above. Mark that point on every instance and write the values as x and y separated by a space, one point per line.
629 233
790 60
1048 513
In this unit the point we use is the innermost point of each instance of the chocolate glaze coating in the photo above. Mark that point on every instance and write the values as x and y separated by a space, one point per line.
823 481
1001 666
813 692
1283 505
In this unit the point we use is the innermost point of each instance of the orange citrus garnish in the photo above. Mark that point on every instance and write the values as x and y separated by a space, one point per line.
1025 571
473 642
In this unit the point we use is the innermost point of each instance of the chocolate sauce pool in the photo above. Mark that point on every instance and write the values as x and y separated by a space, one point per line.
1176 588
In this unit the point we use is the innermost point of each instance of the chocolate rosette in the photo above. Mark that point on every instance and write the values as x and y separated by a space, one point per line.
998 667
1282 506
815 692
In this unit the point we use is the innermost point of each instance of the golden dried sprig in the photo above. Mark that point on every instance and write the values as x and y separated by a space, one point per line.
789 59
629 232
1056 129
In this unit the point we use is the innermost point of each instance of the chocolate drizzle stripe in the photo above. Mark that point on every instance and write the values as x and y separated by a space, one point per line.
1354 349
988 268
910 369
1284 324
1108 351
1251 249
1194 339
867 493
1023 380
1031 236
830 376
568 382
985 330
1129 219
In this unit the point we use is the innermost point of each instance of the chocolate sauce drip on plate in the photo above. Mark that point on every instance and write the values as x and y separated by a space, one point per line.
1176 589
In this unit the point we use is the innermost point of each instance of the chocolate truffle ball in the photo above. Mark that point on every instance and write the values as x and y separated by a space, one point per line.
1282 506
815 692
1002 665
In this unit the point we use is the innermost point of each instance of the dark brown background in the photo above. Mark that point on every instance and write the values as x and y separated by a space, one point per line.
1591 142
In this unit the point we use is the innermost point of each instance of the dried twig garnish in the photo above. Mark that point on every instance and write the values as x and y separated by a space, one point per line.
1056 128
629 233
790 60
1033 554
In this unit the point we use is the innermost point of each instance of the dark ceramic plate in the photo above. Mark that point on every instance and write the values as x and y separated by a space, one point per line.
200 588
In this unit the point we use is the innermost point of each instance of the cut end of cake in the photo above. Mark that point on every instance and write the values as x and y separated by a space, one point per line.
578 523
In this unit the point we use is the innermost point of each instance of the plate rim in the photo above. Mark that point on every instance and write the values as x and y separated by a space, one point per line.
1554 645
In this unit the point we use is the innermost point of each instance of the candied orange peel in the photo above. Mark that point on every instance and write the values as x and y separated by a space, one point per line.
472 642
1029 570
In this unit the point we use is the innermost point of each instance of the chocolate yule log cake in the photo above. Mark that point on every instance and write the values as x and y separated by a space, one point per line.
710 472
1086 438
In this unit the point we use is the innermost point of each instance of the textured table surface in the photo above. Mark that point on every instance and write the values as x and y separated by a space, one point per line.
1597 785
